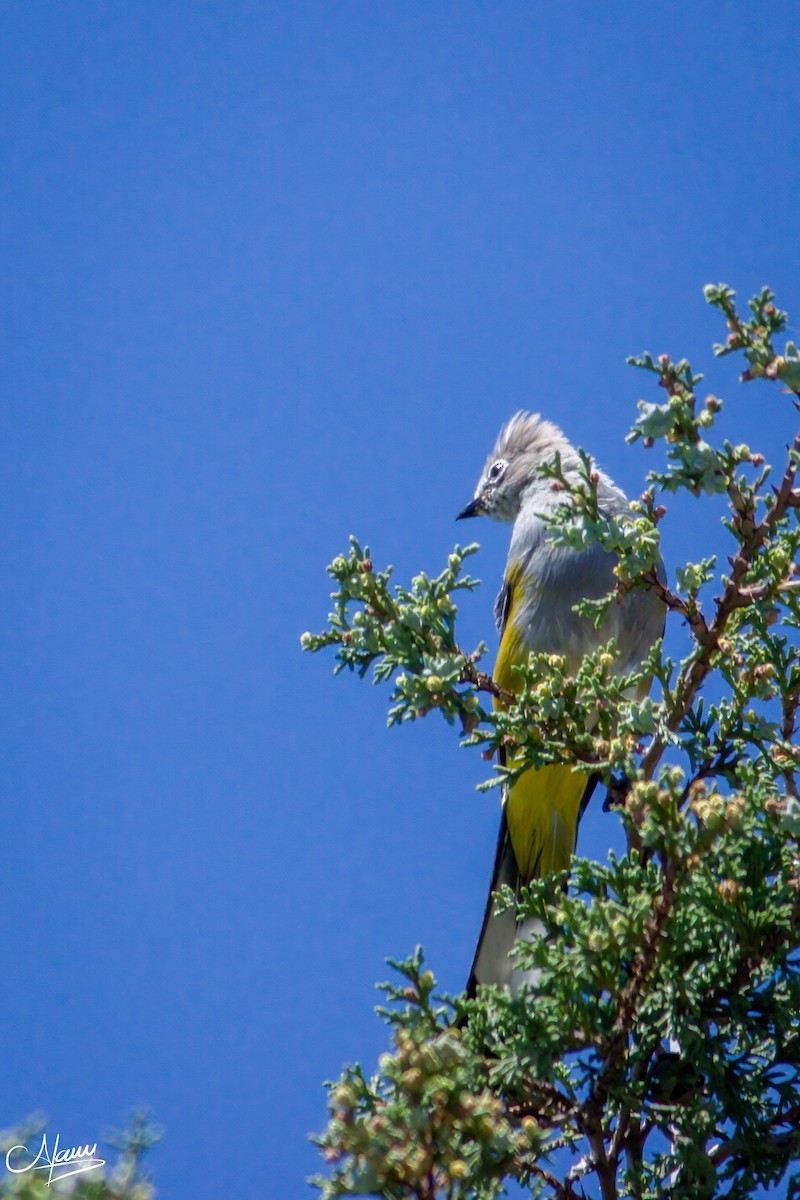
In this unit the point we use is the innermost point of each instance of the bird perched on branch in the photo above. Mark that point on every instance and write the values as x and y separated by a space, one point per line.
534 611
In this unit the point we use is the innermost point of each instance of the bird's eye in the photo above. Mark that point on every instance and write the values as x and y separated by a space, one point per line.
496 470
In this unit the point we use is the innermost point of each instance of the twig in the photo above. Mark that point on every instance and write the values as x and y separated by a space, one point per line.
790 706
731 599
562 1190
483 681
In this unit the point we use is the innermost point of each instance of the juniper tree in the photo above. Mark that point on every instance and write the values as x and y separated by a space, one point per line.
658 1051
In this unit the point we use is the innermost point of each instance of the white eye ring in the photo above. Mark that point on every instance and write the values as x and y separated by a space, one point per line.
496 470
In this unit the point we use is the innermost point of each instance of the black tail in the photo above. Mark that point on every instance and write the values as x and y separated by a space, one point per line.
491 963
497 931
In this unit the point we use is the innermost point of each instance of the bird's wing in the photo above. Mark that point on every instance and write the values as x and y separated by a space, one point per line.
543 805
540 816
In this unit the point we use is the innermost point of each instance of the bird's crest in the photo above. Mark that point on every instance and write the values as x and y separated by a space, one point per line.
527 433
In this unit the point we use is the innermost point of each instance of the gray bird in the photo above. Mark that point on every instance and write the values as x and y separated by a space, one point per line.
534 611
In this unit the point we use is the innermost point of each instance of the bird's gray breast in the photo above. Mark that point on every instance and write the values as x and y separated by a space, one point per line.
553 579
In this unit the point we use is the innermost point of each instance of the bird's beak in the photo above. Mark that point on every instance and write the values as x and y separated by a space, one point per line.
474 509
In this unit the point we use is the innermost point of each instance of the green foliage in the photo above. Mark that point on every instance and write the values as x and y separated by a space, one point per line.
124 1180
414 630
658 1052
429 1118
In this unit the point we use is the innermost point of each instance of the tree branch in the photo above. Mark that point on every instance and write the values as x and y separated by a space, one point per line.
733 597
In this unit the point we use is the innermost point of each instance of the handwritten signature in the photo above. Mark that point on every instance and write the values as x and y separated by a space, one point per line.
61 1163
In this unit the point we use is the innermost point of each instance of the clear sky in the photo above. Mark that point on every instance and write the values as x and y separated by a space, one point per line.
276 273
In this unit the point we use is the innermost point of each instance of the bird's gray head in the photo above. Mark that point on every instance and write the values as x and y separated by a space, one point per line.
523 445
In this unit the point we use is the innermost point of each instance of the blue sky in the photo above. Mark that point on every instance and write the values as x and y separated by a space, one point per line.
276 273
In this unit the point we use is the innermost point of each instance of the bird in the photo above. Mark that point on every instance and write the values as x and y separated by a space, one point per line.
534 611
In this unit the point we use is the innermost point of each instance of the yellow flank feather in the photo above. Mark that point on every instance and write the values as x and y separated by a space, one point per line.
542 808
543 805
513 651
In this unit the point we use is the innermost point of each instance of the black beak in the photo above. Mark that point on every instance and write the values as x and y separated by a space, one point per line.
473 509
